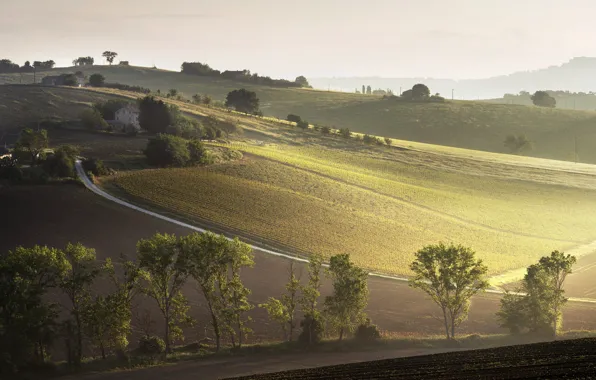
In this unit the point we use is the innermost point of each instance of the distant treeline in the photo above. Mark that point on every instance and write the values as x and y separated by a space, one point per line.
7 66
203 69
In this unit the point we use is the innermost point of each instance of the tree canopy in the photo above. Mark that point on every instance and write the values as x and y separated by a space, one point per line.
543 99
450 275
97 80
155 116
243 101
109 56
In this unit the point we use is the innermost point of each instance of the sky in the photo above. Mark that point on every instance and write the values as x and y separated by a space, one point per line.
457 39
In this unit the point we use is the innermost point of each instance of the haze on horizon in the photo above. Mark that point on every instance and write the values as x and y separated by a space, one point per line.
460 39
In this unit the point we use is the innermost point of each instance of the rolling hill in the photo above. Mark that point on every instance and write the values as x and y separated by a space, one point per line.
464 124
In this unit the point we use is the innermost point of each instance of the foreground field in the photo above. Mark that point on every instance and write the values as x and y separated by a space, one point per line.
379 204
465 124
55 215
573 359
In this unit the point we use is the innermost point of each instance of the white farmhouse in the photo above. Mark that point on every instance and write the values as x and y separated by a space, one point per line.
129 117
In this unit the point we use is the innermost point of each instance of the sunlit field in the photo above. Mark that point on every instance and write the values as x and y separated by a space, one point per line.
379 209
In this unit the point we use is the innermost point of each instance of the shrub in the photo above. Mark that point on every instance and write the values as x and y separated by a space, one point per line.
167 150
367 332
368 139
151 346
97 80
186 127
388 141
92 119
345 132
325 130
9 169
437 99
61 163
294 118
196 151
126 87
95 166
303 124
312 330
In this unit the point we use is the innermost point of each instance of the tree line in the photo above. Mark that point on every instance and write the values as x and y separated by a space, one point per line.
203 69
30 323
7 66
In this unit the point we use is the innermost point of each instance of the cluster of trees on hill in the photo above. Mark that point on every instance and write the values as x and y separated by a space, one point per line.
203 69
7 66
30 323
369 91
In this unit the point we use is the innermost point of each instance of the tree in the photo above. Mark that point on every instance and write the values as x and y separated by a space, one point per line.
172 93
60 163
345 307
420 91
517 144
207 100
213 258
83 61
243 101
97 80
155 116
27 322
363 89
308 301
76 284
302 81
283 310
93 119
450 275
108 108
33 142
166 150
196 99
513 313
109 56
167 268
293 118
543 99
368 90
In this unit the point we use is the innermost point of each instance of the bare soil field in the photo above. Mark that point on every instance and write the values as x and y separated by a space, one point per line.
55 215
572 359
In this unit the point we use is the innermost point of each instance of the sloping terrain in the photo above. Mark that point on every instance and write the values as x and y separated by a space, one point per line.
572 359
472 125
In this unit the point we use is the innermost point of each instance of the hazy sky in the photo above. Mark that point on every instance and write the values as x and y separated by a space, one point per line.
279 38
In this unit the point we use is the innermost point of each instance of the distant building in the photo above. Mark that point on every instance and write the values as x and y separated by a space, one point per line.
128 116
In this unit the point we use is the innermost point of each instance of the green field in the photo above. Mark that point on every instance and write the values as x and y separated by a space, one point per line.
303 192
465 124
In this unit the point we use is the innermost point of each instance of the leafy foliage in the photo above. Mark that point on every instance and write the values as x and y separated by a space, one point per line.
95 166
420 91
167 150
367 332
345 307
243 101
93 119
450 275
312 329
109 56
151 346
97 80
60 164
543 99
283 310
518 144
33 142
155 116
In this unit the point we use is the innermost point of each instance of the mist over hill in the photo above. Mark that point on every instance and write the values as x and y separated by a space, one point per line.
577 75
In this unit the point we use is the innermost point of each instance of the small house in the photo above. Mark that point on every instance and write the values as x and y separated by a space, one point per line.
129 117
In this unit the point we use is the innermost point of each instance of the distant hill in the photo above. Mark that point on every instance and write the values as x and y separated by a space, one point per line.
463 124
565 99
577 75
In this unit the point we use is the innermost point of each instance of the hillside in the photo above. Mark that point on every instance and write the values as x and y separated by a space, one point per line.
572 359
471 125
577 75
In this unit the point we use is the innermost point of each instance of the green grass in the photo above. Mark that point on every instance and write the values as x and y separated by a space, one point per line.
370 203
465 124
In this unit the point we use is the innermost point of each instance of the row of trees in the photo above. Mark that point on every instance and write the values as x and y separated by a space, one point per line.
369 91
7 66
203 69
30 322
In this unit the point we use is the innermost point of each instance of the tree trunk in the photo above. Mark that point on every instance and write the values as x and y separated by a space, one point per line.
103 350
239 333
452 328
341 333
167 332
79 347
215 329
445 319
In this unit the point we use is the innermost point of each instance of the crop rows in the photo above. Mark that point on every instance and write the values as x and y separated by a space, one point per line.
308 212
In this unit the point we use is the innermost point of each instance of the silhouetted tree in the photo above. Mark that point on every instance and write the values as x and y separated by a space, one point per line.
420 91
109 56
97 80
154 115
368 90
243 101
543 99
302 81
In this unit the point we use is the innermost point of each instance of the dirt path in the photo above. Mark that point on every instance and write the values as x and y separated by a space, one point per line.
213 369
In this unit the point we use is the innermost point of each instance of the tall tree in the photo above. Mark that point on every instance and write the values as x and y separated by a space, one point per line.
345 307
420 91
302 81
76 284
450 275
109 56
154 115
243 101
283 310
167 268
33 142
312 290
363 89
368 90
27 322
543 99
